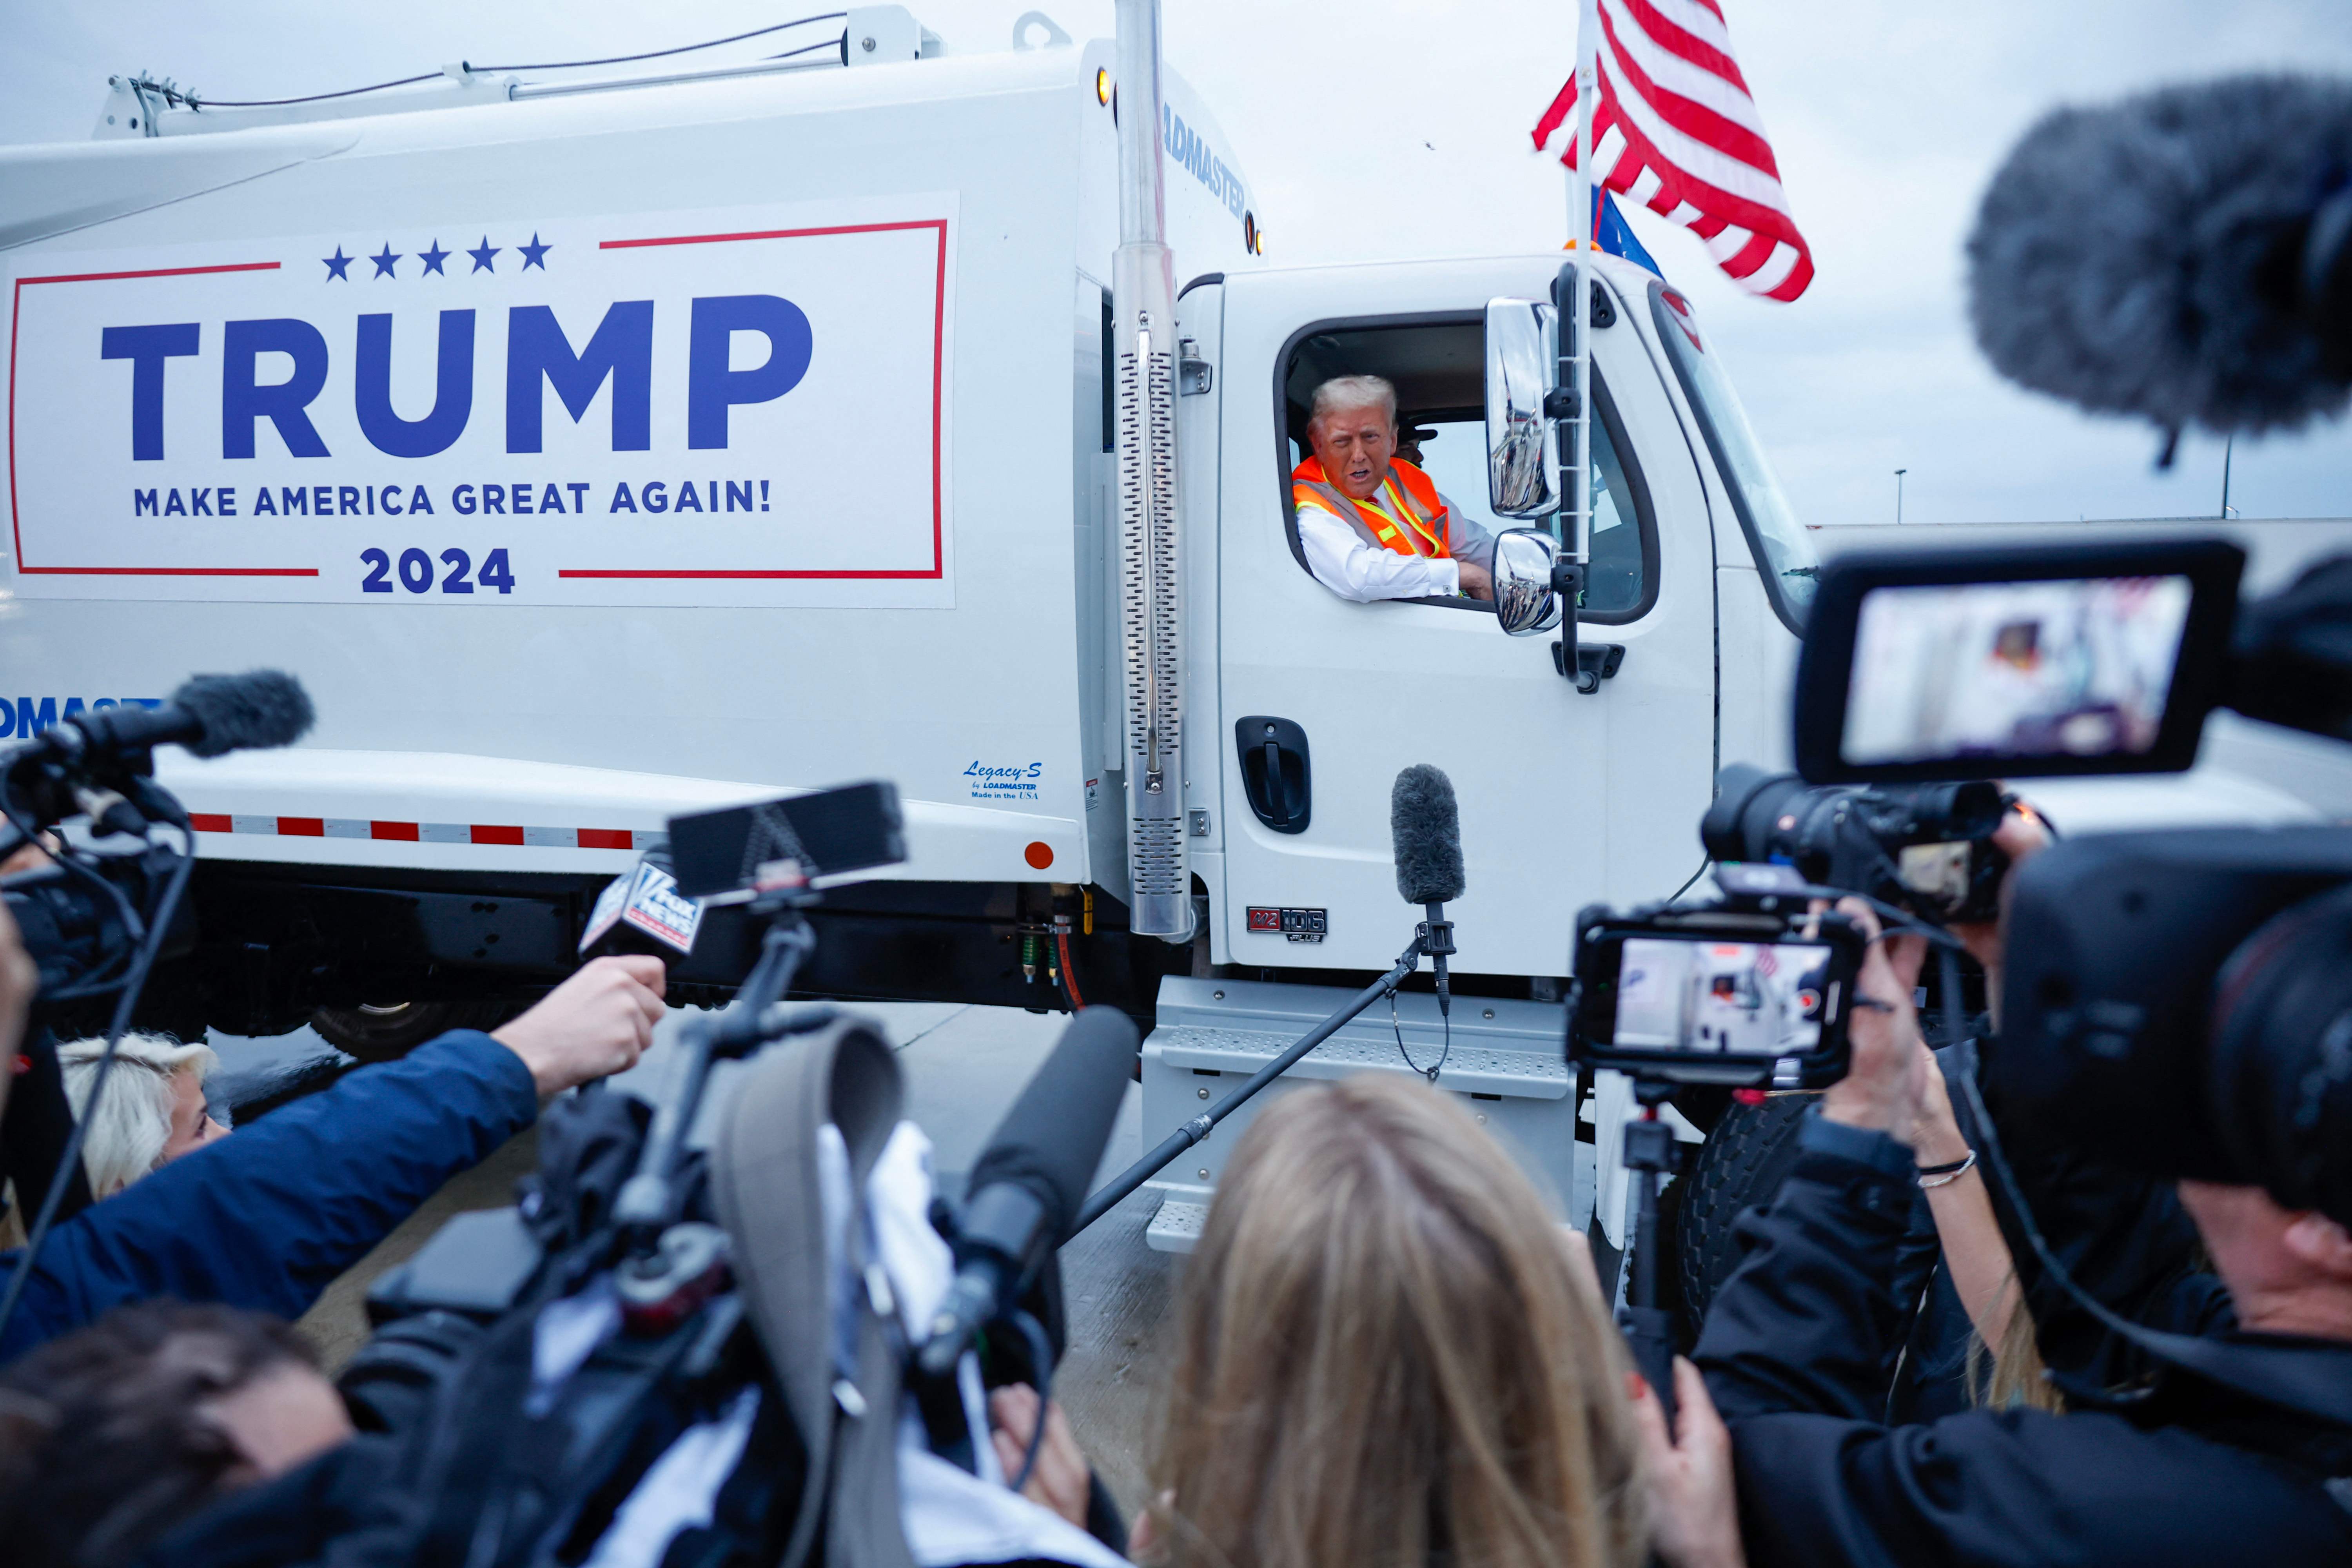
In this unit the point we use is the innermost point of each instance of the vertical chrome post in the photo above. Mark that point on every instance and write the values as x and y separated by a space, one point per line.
1143 295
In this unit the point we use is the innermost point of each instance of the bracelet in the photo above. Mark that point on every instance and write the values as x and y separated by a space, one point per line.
1945 1175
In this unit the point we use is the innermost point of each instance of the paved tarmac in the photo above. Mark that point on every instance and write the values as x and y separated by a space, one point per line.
963 1066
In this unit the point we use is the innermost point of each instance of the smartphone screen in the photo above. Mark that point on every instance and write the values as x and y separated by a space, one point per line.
1722 998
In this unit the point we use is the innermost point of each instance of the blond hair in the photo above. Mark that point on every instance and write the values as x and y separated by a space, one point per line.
134 1115
1352 392
1385 1358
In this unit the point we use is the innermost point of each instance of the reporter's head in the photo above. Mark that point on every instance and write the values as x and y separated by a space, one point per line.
112 1436
1385 1355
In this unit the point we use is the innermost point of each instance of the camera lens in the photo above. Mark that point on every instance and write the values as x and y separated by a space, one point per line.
2281 1063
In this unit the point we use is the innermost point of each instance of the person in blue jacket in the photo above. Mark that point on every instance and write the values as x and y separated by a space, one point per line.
266 1219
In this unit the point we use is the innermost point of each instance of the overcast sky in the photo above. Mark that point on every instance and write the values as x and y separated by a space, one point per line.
1383 129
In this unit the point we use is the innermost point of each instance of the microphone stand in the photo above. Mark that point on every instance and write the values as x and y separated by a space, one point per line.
1434 938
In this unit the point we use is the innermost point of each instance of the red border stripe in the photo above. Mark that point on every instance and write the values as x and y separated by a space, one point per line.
15 524
938 373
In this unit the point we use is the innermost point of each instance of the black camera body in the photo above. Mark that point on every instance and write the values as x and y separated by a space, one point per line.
1751 991
1926 847
74 931
2179 1003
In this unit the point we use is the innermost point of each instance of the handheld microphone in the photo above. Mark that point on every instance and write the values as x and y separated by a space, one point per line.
1031 1182
2185 255
641 911
1425 826
209 715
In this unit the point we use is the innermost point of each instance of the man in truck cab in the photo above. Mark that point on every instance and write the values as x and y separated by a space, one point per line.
1372 524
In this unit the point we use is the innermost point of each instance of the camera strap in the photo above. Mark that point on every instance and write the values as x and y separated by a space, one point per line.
2314 1381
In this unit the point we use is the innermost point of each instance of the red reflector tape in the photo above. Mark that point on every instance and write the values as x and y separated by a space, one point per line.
505 835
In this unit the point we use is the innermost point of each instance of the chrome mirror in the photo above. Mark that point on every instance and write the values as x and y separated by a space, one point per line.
1521 355
1524 602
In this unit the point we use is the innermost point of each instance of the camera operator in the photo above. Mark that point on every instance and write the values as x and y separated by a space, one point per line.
266 1220
1795 1344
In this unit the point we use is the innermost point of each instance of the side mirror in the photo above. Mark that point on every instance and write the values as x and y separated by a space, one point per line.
1524 601
1520 354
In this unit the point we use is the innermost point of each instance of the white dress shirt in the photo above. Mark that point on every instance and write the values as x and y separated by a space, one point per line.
1353 569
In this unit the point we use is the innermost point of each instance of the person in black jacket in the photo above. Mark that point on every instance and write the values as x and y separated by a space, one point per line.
1796 1342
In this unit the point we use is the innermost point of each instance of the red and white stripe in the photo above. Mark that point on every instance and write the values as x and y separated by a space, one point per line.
425 831
1675 128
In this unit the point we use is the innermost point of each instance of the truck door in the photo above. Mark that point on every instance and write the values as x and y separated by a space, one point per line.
1566 798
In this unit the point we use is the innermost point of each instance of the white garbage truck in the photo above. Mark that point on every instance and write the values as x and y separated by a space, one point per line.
598 446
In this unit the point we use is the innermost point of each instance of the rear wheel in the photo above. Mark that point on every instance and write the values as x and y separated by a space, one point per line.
381 1032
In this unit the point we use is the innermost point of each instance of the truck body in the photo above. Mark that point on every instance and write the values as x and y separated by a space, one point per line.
595 452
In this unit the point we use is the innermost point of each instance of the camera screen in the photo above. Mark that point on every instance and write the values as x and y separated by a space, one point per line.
1731 998
2073 668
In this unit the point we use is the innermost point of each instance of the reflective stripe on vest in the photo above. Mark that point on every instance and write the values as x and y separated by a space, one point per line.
1410 521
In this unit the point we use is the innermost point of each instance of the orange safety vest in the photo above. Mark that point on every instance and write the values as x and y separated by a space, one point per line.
1411 521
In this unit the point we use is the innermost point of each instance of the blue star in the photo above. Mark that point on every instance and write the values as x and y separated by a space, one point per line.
383 260
535 254
482 254
336 263
434 257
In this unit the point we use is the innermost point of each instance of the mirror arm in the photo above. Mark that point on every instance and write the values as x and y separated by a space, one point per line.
1568 582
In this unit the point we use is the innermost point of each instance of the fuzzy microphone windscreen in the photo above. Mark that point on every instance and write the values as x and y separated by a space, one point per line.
240 712
1427 828
2178 256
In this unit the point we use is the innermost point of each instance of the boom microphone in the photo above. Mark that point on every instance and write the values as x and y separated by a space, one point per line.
1031 1181
2185 255
1425 826
209 715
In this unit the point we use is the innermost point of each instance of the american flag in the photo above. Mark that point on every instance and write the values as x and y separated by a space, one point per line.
1675 128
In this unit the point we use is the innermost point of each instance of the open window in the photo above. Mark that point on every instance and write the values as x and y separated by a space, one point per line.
1437 364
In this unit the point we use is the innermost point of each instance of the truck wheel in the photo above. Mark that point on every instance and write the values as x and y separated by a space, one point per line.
381 1033
1739 1166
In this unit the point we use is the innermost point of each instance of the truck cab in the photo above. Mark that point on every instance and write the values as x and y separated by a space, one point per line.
1696 590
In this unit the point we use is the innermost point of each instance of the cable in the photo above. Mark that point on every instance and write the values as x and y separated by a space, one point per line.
1397 1029
133 984
1692 881
1069 976
1041 1362
174 95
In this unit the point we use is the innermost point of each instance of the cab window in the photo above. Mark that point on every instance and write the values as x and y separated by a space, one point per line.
1437 366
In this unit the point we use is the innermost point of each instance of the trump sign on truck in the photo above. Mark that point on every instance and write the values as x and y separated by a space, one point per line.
713 407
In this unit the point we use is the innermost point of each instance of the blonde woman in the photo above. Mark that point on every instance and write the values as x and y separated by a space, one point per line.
1389 1354
152 1110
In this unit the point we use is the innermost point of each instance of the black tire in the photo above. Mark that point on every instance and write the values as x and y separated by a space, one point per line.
1739 1166
383 1033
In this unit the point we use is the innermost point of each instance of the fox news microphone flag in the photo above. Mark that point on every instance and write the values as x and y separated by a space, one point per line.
1675 128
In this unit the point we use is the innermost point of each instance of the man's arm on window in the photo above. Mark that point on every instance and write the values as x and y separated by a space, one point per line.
1352 569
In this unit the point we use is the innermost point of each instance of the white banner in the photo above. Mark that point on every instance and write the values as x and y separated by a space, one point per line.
744 406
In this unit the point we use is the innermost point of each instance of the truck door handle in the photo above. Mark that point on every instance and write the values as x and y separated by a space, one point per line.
1274 772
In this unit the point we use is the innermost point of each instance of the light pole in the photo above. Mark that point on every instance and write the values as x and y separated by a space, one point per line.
1898 496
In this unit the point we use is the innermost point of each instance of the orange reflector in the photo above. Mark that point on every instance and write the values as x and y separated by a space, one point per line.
1039 855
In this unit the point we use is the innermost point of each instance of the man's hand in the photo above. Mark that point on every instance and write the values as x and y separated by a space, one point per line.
598 1021
1693 1503
1476 580
1886 1086
1063 1479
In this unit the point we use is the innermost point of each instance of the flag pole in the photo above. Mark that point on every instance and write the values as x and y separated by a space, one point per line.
1575 487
